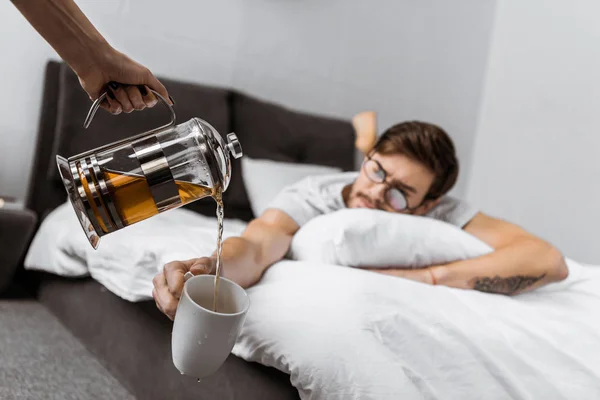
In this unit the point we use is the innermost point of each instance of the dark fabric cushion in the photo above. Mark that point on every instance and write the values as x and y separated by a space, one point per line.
45 194
274 132
133 342
192 100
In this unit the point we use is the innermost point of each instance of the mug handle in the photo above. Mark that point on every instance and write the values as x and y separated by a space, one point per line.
99 100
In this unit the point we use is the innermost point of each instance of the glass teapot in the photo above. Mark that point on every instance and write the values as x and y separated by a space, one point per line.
121 183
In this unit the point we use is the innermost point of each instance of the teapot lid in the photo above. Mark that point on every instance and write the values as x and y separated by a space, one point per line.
219 151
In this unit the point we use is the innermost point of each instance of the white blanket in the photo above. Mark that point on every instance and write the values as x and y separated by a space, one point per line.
126 260
344 333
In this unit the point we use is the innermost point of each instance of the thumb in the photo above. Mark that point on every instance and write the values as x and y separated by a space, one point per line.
203 266
154 84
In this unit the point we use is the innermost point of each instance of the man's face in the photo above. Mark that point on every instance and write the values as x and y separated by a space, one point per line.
410 177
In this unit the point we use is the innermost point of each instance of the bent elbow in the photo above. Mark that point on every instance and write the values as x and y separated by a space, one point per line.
558 264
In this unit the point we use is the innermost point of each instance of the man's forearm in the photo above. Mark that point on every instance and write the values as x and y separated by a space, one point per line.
241 261
246 258
522 266
64 26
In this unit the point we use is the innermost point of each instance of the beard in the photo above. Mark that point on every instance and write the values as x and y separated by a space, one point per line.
363 198
351 196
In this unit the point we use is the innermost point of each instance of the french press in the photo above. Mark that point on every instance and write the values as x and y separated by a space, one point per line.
128 181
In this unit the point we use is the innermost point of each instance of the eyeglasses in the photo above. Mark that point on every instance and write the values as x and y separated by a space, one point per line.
393 196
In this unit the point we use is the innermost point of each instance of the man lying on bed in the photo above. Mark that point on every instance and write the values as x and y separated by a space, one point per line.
409 170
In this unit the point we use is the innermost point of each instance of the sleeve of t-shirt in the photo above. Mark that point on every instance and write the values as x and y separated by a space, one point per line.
302 201
453 211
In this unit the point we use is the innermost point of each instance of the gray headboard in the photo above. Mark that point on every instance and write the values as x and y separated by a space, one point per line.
266 130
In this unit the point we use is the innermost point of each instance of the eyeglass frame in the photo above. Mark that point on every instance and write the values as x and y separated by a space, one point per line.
389 186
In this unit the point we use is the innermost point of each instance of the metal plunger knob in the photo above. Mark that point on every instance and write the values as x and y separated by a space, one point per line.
234 146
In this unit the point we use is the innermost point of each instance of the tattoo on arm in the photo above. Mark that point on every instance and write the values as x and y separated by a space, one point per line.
505 285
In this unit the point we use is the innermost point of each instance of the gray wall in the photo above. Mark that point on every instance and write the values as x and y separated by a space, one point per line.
406 59
536 155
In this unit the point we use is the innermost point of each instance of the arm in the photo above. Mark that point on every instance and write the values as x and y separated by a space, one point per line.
265 241
365 129
520 262
64 26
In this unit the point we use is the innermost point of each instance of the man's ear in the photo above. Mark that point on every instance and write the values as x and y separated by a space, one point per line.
365 130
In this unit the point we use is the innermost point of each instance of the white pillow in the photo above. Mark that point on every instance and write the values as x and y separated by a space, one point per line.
126 260
373 238
44 253
264 179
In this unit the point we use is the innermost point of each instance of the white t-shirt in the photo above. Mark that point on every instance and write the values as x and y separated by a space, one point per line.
322 194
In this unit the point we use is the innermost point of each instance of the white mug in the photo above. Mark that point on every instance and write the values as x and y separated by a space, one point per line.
203 339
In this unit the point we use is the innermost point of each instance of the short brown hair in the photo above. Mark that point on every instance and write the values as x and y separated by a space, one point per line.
425 143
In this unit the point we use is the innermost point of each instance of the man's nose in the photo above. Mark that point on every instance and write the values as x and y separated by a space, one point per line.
377 191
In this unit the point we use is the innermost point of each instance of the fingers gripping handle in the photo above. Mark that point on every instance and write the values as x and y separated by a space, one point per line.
99 100
187 276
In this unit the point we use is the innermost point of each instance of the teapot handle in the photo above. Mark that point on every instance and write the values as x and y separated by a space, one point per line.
99 100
